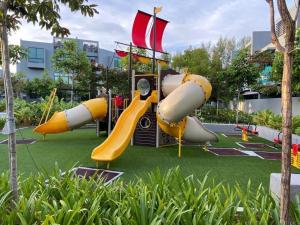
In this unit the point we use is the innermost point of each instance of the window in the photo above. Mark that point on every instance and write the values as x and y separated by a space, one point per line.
64 77
116 63
36 55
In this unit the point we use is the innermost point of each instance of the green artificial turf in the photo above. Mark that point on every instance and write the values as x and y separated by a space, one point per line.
74 148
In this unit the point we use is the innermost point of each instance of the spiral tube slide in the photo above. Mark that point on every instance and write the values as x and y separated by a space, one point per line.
75 117
184 93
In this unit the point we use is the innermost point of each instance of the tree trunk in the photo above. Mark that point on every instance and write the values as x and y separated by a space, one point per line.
286 104
10 121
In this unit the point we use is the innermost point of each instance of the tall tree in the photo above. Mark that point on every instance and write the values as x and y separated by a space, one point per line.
72 61
224 49
242 72
45 14
196 60
289 25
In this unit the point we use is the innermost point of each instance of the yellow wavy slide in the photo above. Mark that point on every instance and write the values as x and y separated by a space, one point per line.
120 137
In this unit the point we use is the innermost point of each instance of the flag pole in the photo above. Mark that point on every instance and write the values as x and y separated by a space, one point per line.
130 69
154 40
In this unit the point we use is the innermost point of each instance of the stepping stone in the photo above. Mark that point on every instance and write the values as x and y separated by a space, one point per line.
107 175
20 141
227 152
256 146
269 155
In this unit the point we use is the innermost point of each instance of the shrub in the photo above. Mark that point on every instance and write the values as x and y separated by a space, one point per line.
30 113
167 198
209 114
2 105
2 123
269 119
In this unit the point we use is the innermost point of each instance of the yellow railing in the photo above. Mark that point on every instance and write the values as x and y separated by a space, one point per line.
125 104
47 110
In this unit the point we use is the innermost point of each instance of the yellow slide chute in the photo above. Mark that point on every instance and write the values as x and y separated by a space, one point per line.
121 135
75 117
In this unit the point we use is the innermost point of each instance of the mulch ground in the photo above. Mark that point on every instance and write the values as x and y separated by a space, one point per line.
269 155
227 152
106 175
23 141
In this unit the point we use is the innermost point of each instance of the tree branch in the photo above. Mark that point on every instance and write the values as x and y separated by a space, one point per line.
273 33
297 10
284 12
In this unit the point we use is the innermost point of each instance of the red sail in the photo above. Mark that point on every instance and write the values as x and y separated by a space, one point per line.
160 27
139 29
121 53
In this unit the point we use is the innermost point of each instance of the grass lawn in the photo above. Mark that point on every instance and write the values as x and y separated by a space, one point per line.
75 147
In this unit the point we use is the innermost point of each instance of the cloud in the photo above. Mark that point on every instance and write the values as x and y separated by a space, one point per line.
191 22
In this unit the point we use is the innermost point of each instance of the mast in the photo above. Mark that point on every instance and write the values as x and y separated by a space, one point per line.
130 69
154 40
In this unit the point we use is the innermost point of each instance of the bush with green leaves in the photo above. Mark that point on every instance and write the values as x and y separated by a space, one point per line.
270 119
2 123
167 198
30 113
210 114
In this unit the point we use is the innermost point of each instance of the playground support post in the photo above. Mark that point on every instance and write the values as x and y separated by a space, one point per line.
154 40
130 68
109 112
106 78
179 142
158 100
132 94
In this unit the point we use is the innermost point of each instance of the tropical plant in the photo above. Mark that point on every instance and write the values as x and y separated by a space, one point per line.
169 198
270 119
263 117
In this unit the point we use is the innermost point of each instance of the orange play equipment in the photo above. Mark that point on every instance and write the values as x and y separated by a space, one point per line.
295 156
244 135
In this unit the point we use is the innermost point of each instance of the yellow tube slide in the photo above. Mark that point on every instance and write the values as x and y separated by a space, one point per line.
73 118
120 137
184 93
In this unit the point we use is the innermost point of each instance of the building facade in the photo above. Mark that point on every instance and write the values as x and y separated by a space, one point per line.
40 54
261 43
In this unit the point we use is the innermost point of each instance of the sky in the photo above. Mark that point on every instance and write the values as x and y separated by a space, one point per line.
192 22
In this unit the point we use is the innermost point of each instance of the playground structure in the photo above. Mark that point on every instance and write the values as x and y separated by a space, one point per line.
177 96
244 135
249 129
182 94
